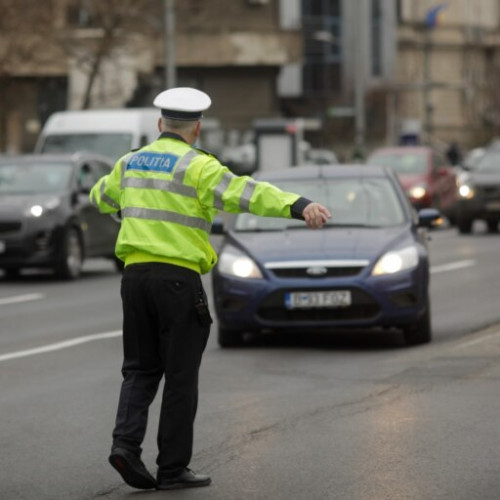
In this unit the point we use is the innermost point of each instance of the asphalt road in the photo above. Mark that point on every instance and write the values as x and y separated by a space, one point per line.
348 417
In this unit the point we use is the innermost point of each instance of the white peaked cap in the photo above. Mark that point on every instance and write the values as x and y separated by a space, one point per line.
182 103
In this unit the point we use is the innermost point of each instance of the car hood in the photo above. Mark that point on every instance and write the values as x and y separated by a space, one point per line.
484 178
17 204
327 243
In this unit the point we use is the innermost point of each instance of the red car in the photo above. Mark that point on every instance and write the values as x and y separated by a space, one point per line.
425 174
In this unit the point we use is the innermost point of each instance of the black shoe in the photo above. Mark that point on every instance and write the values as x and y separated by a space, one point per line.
186 479
132 469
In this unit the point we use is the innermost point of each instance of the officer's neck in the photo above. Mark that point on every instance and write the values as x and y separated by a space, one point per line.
180 137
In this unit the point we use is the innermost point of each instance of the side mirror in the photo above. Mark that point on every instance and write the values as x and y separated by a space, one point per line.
428 217
218 226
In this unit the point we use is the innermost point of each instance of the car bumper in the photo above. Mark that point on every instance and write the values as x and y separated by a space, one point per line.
30 246
479 209
385 301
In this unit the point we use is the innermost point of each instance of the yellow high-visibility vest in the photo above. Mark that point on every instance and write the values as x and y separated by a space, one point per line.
168 194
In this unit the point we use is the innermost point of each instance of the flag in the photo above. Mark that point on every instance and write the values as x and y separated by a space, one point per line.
433 15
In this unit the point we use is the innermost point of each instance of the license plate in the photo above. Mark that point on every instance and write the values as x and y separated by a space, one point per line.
494 206
325 299
2 246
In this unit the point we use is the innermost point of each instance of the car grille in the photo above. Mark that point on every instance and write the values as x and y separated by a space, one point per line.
363 307
489 192
330 272
9 226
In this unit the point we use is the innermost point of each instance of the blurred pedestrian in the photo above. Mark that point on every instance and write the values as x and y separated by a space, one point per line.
167 194
454 154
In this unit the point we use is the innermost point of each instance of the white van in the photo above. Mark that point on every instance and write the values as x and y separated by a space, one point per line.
110 132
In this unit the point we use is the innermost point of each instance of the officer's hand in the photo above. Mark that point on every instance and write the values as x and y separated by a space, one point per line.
316 215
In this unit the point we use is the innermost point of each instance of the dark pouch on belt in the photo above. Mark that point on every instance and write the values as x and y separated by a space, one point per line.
203 313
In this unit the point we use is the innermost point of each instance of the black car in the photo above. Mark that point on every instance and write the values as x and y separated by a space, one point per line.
46 219
479 192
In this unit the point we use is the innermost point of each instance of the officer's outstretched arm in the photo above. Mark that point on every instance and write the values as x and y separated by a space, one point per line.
219 188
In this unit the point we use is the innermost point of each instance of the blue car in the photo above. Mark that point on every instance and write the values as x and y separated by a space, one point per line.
367 268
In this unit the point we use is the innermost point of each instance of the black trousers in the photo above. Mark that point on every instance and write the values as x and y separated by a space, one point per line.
164 335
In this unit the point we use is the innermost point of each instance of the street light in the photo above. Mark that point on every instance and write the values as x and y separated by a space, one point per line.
170 66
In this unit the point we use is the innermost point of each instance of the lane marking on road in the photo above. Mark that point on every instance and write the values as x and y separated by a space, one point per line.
472 342
21 298
452 266
59 345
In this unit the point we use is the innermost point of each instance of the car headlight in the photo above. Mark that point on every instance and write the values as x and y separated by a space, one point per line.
465 188
39 209
233 262
417 192
396 261
35 211
466 191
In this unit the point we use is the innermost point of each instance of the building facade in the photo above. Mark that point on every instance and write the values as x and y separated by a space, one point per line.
367 69
447 70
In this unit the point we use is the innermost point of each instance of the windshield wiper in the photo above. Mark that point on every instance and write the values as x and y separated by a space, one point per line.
258 230
350 224
336 224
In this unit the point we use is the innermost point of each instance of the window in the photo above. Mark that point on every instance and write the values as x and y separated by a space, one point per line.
322 47
80 15
359 201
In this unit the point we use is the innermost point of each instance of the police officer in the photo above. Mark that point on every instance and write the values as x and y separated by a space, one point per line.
167 194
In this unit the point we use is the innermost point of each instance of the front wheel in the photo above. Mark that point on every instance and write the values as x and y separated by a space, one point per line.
229 338
70 261
464 225
419 332
492 226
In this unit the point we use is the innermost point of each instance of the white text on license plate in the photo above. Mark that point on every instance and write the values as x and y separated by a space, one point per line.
324 299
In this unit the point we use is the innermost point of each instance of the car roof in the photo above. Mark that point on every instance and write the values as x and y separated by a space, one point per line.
77 157
325 172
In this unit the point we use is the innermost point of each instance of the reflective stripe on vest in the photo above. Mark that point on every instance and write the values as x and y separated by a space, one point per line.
123 170
106 199
167 216
183 164
174 186
221 188
247 195
161 184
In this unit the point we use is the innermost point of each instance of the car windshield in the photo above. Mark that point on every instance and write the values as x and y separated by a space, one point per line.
353 202
31 178
111 145
489 163
402 163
